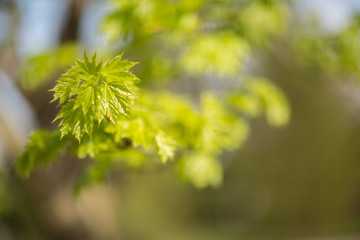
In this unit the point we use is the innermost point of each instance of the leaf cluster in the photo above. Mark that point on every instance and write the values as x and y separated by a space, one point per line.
202 42
91 91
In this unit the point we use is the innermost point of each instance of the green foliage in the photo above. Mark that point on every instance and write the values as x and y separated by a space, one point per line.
144 18
192 37
220 128
143 130
209 127
336 52
37 69
165 147
120 127
262 19
91 91
259 96
42 149
222 54
171 126
202 170
199 132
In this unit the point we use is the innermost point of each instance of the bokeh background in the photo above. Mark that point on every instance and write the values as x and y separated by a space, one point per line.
297 182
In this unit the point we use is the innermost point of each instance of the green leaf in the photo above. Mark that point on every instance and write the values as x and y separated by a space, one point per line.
221 54
67 85
41 150
219 128
200 169
74 120
165 147
136 129
91 91
144 131
275 105
260 96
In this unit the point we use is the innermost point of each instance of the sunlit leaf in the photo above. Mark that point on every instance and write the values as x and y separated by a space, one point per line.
91 91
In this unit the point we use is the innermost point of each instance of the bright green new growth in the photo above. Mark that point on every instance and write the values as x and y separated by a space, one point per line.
91 91
41 150
193 44
163 124
218 53
259 96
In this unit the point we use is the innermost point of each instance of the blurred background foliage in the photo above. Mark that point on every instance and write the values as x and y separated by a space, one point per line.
207 69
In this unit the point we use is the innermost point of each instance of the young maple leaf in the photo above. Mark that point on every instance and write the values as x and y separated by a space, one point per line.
90 91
